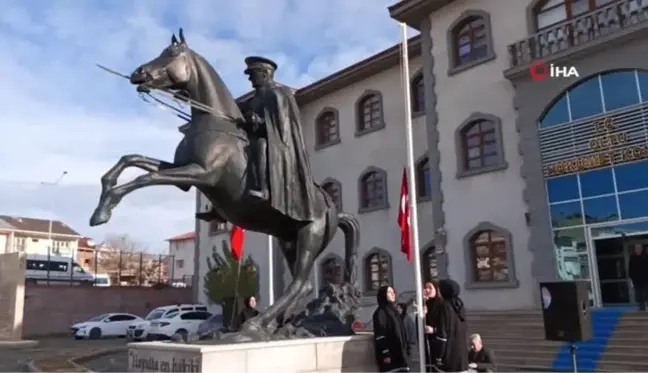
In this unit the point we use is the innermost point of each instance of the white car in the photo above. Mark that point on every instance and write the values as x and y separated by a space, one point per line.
106 325
138 331
183 324
102 280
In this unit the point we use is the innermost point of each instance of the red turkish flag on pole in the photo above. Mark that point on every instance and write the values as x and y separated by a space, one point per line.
236 242
404 219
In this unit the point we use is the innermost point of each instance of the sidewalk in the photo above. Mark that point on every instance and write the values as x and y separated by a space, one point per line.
54 350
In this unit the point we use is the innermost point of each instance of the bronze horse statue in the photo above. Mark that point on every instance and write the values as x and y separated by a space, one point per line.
213 157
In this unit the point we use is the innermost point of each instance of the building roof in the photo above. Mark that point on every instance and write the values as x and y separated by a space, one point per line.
37 225
357 72
412 12
86 243
183 237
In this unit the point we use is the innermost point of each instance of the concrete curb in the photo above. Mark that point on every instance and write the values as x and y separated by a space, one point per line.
23 343
32 367
78 361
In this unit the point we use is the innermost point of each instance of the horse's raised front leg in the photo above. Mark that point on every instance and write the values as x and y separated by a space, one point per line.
184 177
109 179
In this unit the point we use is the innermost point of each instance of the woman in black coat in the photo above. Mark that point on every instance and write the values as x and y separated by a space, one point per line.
433 305
390 338
451 331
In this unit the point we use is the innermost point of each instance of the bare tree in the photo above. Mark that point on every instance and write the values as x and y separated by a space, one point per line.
126 261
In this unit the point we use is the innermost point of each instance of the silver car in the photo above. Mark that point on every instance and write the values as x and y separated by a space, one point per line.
210 327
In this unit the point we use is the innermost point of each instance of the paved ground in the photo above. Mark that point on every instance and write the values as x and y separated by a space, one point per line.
116 362
16 359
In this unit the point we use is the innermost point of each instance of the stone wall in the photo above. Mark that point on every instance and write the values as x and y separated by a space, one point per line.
12 288
50 310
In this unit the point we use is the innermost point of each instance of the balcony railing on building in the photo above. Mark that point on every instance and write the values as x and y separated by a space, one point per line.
603 23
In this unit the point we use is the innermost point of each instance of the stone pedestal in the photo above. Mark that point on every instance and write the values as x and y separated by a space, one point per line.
333 354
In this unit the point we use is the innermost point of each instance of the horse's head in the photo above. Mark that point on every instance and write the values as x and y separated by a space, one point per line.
170 70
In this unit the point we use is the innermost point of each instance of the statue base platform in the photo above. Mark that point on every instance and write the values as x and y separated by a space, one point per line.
327 354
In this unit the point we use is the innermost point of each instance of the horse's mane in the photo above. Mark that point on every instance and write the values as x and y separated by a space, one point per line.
226 100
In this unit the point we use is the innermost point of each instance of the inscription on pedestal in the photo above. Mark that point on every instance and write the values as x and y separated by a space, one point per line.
163 361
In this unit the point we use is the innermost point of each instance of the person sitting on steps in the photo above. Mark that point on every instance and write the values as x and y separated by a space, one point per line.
480 358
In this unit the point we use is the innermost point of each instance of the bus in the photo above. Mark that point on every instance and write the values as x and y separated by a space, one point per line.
55 269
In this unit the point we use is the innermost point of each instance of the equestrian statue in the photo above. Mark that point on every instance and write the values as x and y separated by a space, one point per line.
253 168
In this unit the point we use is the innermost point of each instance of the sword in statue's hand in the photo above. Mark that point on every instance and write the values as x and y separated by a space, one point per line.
102 67
173 96
140 88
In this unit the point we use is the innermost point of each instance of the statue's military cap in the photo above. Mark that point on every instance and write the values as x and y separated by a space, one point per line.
255 62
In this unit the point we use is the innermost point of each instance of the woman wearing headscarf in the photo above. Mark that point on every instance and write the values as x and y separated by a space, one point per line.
450 330
433 312
249 310
390 339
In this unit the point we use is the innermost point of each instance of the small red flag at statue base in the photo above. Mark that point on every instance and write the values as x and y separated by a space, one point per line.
237 236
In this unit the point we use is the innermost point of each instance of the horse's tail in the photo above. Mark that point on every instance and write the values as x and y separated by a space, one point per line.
351 228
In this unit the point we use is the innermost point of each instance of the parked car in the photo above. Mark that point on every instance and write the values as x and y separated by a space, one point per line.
102 280
138 331
181 324
106 325
208 328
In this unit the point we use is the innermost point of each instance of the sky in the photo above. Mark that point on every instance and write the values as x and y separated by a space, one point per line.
59 112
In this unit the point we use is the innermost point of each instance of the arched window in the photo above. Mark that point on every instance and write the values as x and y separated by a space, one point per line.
378 269
470 41
373 190
332 269
429 264
596 95
334 189
418 94
327 128
480 144
551 12
423 183
369 113
489 257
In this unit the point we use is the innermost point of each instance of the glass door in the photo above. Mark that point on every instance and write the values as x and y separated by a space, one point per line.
613 277
609 247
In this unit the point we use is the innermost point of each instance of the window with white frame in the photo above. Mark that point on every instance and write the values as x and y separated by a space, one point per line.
20 243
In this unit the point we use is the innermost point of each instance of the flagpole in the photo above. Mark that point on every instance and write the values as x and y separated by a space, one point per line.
270 270
411 174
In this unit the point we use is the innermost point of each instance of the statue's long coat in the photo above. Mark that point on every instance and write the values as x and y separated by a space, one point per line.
292 188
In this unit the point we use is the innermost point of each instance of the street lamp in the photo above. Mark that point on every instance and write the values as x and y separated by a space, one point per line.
49 228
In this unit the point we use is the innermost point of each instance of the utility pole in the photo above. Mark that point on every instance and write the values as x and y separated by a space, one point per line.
49 228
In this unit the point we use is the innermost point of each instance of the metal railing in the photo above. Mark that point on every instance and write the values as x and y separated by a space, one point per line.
605 22
104 268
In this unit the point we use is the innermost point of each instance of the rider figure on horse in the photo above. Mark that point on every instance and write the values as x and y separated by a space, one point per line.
281 168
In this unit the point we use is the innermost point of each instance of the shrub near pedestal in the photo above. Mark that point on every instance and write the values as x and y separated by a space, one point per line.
228 282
